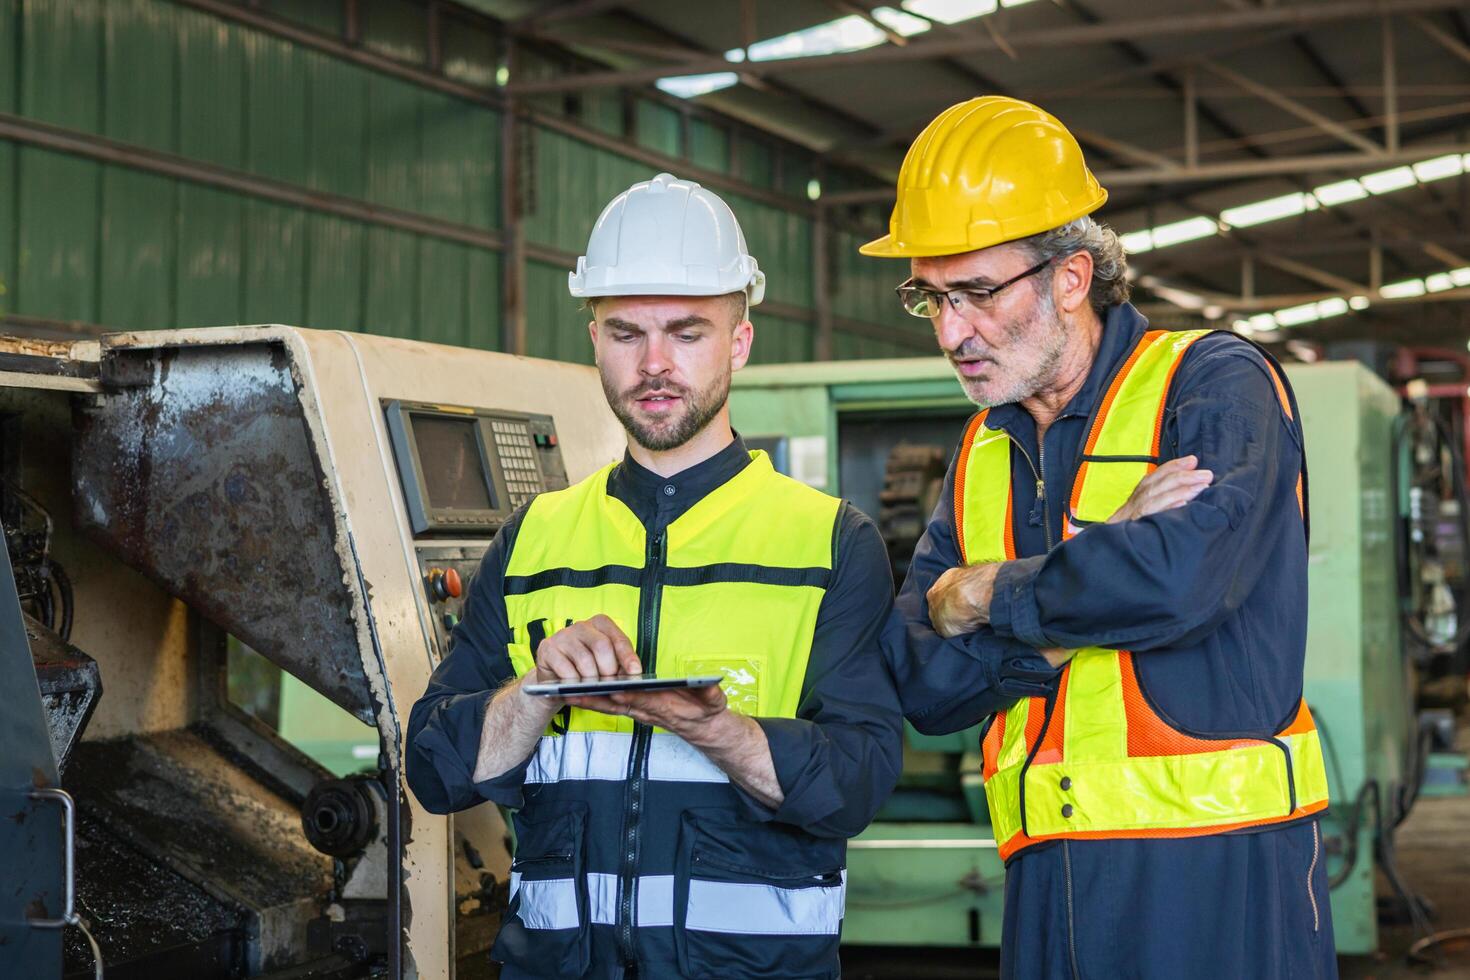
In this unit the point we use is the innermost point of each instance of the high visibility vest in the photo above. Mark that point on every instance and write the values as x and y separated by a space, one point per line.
1095 759
731 587
630 827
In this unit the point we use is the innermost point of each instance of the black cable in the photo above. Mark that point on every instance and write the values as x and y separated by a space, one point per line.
45 609
1388 861
68 599
1355 826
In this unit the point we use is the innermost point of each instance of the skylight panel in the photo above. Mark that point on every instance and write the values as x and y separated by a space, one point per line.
851 33
949 11
690 86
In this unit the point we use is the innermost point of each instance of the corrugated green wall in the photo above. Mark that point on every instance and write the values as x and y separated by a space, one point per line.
113 245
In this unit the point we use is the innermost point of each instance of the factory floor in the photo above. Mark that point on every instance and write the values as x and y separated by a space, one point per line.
1434 858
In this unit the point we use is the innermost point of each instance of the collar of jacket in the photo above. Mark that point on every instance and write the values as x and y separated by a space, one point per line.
661 499
1122 327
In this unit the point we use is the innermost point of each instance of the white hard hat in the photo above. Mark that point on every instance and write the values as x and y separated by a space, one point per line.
667 237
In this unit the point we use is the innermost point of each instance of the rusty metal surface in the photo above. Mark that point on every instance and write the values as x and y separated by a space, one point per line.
173 798
196 467
70 686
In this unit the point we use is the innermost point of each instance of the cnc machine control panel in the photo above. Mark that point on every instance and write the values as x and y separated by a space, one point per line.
464 471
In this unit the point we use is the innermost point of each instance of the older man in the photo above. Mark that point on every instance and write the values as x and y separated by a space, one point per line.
675 833
1115 579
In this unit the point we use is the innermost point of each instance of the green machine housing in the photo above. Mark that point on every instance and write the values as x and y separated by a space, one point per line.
926 873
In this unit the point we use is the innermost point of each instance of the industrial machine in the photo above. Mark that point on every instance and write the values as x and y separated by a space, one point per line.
181 505
926 873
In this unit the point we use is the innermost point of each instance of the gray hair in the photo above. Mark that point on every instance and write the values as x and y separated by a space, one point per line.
1110 286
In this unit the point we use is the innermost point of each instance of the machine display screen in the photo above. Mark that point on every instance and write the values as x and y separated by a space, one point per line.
453 469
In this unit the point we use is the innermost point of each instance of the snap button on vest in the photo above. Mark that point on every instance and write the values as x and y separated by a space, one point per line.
1066 782
1067 810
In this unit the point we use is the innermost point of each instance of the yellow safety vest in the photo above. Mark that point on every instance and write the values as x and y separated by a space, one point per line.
731 587
1095 760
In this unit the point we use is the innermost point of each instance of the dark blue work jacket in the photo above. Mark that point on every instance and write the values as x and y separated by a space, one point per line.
1212 600
775 909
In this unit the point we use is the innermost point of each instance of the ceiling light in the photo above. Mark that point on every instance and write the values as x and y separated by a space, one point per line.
1389 180
689 86
1402 290
949 11
1438 282
1213 312
1340 192
736 55
1243 328
1439 168
813 189
907 25
1184 231
502 75
1294 316
1336 306
1271 209
1460 277
1358 303
1137 241
1264 321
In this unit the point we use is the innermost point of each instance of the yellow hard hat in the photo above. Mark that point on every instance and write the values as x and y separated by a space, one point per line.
989 170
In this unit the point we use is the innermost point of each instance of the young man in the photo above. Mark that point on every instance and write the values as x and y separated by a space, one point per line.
673 833
1136 635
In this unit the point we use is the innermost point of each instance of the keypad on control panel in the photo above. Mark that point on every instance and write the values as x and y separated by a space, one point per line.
517 460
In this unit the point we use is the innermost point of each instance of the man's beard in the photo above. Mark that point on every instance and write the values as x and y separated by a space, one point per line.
700 407
1043 330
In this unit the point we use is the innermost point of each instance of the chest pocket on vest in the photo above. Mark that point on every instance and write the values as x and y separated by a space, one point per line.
744 678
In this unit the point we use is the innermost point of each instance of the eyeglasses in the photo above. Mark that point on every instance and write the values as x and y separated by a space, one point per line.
922 301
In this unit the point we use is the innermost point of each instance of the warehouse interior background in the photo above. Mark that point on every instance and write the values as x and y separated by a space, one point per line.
429 169
1297 171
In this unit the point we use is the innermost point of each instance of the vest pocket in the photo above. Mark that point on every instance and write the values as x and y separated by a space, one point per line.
755 900
744 679
546 927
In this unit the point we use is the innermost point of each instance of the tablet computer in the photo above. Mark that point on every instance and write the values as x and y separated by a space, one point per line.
593 686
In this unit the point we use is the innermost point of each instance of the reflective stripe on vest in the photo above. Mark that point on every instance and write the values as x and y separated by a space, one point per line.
761 541
604 755
714 906
1096 759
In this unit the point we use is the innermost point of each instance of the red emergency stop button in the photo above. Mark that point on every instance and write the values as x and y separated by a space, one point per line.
445 584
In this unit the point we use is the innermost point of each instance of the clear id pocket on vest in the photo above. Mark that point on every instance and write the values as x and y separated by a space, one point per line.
744 679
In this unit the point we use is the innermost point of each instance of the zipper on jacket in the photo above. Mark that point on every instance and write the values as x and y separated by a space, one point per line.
1040 483
1312 895
1071 921
647 649
1041 489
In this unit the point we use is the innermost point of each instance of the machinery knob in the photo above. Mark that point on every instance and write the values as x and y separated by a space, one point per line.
445 584
339 816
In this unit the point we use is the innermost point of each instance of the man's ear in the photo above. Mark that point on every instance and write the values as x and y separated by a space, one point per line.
740 344
1073 282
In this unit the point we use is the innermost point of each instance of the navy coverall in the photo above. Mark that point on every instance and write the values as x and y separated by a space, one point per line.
836 761
1212 600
